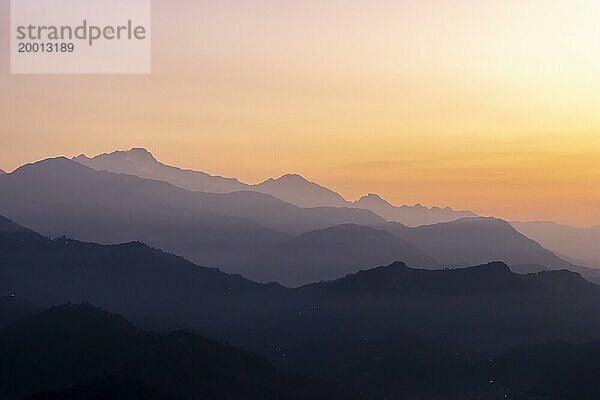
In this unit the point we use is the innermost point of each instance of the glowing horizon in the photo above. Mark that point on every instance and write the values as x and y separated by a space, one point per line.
473 105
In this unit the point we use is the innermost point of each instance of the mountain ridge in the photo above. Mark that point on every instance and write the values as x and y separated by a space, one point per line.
291 187
474 241
296 189
162 291
241 232
333 252
578 244
61 197
140 162
409 215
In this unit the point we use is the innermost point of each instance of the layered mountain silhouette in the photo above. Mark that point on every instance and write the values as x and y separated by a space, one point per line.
579 245
489 306
404 302
291 188
101 353
2 172
473 241
145 284
140 162
409 215
61 197
481 305
250 233
331 253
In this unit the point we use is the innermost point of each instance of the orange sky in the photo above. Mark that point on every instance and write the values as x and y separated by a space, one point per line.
486 105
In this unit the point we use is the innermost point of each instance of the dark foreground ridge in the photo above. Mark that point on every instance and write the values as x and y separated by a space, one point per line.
105 355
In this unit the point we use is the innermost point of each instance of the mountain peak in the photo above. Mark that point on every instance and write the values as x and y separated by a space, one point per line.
140 153
489 221
296 189
414 215
492 267
49 165
372 199
136 154
292 178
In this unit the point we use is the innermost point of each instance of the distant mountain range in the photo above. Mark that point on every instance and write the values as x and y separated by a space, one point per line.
140 162
489 306
291 188
579 245
574 245
251 233
410 215
2 172
61 197
444 304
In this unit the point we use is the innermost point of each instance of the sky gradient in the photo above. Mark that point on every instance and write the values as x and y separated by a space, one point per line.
482 105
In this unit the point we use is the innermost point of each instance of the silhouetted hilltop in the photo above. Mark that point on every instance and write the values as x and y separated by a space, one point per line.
397 278
331 253
409 215
66 345
590 274
473 241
